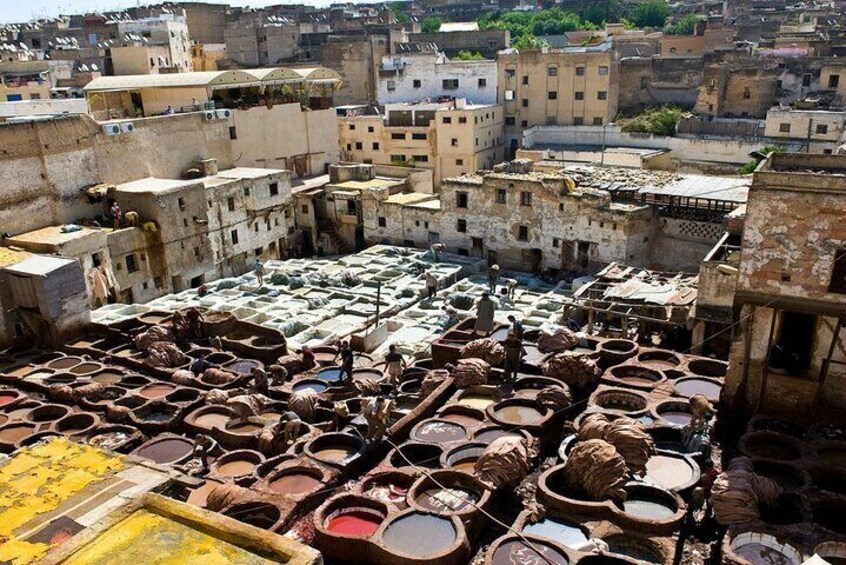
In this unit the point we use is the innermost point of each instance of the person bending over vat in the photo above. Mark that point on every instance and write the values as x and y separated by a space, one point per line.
396 363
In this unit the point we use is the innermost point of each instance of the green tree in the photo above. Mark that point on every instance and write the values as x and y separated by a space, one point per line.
652 13
528 41
468 56
750 166
398 8
684 25
657 121
599 12
431 24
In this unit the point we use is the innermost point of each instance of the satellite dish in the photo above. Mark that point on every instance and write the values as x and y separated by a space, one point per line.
94 67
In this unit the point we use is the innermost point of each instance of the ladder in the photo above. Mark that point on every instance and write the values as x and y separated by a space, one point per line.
828 361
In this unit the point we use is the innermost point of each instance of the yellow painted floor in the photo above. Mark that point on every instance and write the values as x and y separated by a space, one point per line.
151 539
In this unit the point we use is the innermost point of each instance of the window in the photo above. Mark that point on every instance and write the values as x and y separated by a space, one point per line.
462 120
822 129
230 203
524 124
602 95
397 158
383 222
525 102
510 121
397 135
523 233
454 142
552 95
461 225
274 189
234 235
580 95
304 208
459 162
258 251
158 281
349 146
370 129
672 49
644 83
375 145
552 71
827 151
552 120
233 132
501 196
181 202
420 158
450 84
418 136
131 264
483 82
509 95
461 200
392 86
580 71
510 73
446 120
747 94
806 79
784 128
358 146
525 198
352 210
597 121
525 79
603 70
416 83
352 127
833 81
838 272
578 121
246 191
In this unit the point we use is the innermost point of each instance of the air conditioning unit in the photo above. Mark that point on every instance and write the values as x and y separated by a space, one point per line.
223 114
127 127
111 129
209 116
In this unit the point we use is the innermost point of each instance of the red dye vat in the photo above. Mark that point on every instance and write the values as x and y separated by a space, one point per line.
354 523
7 398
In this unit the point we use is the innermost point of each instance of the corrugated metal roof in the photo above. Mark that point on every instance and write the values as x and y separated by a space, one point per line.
700 186
172 80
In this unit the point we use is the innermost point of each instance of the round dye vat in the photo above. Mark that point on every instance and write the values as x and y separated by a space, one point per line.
108 440
647 507
244 428
632 547
156 390
636 376
833 456
85 368
687 387
236 468
64 363
760 554
439 432
490 434
447 500
677 417
107 378
480 401
199 496
270 416
3 419
332 375
658 360
243 367
354 523
669 472
7 398
294 483
461 419
519 552
517 414
419 535
212 419
166 451
560 531
258 514
333 454
365 374
162 415
20 412
13 433
316 386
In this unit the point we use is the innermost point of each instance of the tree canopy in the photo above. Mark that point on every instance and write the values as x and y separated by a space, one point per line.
431 24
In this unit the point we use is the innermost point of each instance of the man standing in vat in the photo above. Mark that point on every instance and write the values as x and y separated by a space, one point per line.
493 277
347 358
258 270
431 283
514 352
484 315
396 363
516 326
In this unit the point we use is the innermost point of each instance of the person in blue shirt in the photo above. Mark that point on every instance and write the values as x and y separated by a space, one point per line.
516 326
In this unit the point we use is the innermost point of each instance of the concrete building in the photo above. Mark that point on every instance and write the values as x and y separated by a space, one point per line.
487 42
448 138
787 354
430 76
744 89
163 42
821 129
262 41
22 76
355 58
570 86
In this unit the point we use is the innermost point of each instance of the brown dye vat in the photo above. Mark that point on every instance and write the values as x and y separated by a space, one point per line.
13 433
634 375
20 370
236 468
154 317
76 423
708 367
479 401
669 472
516 551
63 363
676 413
212 419
516 414
620 401
85 368
107 377
464 458
658 360
419 535
47 413
247 427
367 374
125 352
60 379
689 386
438 431
487 435
333 454
418 454
533 355
166 451
243 366
200 495
294 482
135 381
468 420
156 390
270 416
3 419
258 514
20 411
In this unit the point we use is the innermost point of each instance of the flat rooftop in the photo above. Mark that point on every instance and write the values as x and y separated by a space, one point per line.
248 173
51 235
152 184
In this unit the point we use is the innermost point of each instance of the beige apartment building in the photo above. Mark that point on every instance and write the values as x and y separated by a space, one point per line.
449 138
569 86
